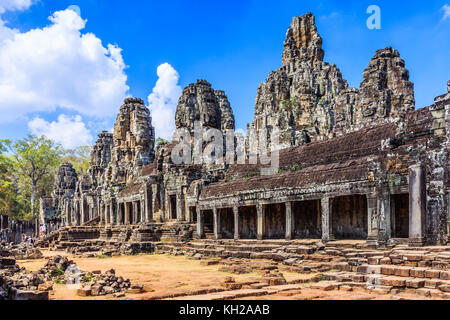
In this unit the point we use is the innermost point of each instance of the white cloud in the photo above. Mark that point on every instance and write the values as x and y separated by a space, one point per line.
163 101
70 132
446 9
58 66
13 5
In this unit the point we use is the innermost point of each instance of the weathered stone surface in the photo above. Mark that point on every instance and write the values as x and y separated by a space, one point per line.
134 140
200 102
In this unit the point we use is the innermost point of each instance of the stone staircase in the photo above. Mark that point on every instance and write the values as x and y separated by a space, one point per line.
423 271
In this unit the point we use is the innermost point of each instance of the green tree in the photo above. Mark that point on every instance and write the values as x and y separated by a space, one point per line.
35 159
158 141
6 183
79 157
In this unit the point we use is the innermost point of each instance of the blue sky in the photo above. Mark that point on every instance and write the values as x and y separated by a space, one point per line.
232 44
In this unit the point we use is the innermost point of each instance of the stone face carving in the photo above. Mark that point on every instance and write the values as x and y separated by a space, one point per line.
200 102
299 98
385 90
303 42
134 139
101 156
308 100
65 181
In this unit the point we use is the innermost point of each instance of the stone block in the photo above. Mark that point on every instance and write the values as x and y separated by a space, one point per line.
402 271
445 275
415 283
393 281
417 272
83 292
432 274
387 270
324 286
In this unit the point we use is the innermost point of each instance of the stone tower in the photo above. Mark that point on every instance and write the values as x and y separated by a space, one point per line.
308 100
200 102
133 138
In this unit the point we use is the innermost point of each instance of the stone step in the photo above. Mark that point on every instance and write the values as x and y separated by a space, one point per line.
402 271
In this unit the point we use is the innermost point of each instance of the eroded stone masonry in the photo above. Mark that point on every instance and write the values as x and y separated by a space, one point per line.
354 164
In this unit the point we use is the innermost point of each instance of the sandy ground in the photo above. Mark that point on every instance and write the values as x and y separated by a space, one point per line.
164 275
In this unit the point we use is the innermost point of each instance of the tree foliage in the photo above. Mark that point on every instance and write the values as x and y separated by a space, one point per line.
159 141
35 161
6 184
79 157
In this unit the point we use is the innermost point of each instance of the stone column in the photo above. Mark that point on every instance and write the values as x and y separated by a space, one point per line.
326 205
127 212
261 221
119 213
217 233
417 205
103 214
384 209
148 205
289 220
200 224
135 212
82 214
111 214
178 207
236 223
143 210
372 220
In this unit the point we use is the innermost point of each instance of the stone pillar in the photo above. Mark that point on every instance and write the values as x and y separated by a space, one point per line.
119 213
111 214
236 223
127 212
217 233
82 213
289 220
261 221
417 205
148 204
200 224
179 207
143 210
326 205
103 214
384 210
372 220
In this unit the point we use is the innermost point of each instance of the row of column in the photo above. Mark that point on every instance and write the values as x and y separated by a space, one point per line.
377 211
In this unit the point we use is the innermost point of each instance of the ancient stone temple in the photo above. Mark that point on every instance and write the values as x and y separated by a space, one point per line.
354 163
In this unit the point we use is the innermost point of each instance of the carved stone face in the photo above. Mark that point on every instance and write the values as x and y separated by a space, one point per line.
340 117
369 111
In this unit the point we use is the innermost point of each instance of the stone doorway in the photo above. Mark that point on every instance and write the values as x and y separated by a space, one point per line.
400 215
138 212
307 219
129 210
248 228
349 217
172 207
193 214
275 224
226 223
208 223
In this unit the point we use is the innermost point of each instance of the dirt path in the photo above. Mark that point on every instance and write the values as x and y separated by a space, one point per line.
165 276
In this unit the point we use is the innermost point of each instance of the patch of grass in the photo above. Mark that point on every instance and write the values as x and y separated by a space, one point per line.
102 256
250 174
89 278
